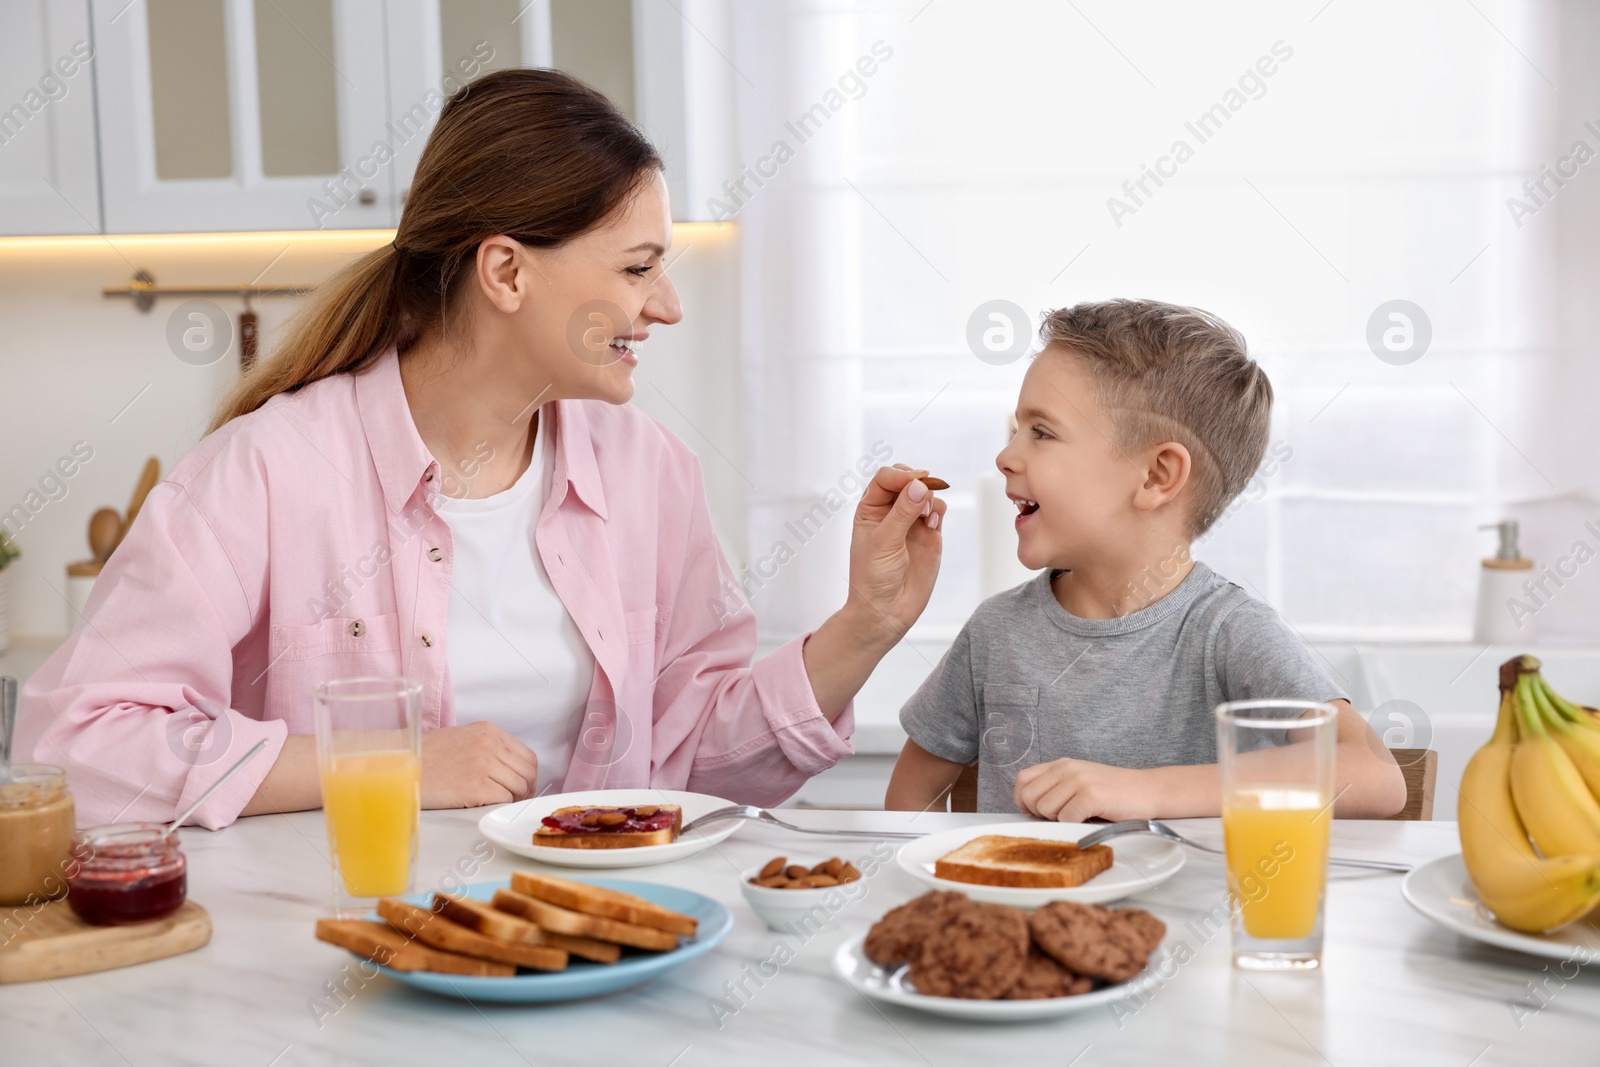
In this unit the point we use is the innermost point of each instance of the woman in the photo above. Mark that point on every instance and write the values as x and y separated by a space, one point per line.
562 600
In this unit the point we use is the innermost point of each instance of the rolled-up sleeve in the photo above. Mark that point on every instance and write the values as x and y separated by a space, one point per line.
752 733
135 705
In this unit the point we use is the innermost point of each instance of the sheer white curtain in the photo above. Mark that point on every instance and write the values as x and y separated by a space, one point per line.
904 163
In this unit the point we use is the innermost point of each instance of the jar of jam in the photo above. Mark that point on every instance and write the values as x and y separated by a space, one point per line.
36 823
126 873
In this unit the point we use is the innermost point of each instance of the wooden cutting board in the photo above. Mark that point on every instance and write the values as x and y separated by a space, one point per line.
54 943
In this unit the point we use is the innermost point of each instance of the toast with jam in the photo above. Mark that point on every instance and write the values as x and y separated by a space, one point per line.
630 826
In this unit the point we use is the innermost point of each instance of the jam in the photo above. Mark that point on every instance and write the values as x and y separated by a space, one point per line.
589 821
126 873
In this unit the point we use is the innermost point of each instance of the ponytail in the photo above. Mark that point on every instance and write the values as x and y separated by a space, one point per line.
350 321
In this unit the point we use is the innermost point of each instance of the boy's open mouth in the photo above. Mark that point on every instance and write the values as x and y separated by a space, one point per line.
1025 507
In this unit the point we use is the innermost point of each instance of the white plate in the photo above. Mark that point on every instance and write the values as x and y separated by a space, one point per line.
851 964
511 827
1441 891
1139 862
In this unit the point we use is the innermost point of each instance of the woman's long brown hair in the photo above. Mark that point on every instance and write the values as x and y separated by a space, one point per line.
533 154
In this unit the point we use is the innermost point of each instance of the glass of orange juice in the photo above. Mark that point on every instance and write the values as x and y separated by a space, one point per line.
1276 761
369 753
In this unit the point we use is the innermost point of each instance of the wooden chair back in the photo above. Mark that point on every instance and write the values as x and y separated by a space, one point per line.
1420 767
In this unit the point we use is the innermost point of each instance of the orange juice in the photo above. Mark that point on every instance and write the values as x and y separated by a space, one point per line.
372 800
1276 839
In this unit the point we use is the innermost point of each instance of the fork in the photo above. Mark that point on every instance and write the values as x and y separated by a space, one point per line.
1161 829
750 811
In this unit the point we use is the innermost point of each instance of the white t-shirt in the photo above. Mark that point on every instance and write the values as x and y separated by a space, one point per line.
516 658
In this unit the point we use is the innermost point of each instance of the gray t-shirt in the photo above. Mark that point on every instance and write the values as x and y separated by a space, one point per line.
1026 682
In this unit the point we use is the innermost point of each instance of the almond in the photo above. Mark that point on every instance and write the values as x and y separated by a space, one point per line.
834 866
612 818
645 811
796 871
773 868
935 483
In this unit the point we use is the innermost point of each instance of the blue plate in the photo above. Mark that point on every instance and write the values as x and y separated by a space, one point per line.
582 978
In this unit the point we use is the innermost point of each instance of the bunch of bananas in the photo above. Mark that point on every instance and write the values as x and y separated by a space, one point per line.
1535 781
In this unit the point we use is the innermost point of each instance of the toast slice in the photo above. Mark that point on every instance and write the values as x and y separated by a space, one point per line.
440 932
630 826
1024 862
605 903
583 947
382 943
490 922
509 926
564 921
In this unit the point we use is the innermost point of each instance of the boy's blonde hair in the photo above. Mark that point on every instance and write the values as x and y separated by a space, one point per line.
1170 373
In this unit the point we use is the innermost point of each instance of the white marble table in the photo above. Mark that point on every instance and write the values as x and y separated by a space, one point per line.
1393 988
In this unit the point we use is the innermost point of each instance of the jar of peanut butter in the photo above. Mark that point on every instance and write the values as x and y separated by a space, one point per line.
37 821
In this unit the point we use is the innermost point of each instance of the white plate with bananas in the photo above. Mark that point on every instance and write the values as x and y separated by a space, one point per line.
1441 891
1530 829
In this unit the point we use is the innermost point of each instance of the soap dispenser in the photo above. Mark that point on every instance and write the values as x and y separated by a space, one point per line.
1505 616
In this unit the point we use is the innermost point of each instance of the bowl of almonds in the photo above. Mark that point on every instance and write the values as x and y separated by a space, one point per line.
786 888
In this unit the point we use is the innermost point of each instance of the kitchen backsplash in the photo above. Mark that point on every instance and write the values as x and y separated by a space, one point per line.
90 387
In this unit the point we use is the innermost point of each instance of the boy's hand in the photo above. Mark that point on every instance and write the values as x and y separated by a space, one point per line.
1073 790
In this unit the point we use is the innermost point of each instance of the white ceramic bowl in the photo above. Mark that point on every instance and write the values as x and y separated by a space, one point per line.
809 910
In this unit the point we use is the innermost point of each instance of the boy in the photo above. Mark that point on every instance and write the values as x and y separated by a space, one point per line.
1089 690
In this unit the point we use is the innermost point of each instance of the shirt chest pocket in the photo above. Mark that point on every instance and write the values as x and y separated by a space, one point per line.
640 626
335 636
301 656
1008 734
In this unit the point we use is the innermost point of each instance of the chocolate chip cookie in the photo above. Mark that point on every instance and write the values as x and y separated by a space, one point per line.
977 953
1043 977
1095 941
894 939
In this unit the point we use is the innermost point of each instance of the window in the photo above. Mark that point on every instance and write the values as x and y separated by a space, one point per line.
907 163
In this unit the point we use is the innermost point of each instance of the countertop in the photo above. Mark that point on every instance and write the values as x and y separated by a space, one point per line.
1393 987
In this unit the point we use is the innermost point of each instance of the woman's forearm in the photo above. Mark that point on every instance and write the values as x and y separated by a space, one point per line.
842 653
293 783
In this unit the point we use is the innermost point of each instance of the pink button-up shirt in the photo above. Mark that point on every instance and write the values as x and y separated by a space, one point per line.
299 543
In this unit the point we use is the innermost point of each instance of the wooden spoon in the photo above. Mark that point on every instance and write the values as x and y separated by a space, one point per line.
147 481
105 531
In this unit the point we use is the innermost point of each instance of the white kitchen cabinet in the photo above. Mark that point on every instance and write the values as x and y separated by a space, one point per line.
239 115
436 45
651 57
48 179
218 115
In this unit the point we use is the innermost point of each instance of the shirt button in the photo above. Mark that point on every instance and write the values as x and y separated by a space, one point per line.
435 555
427 640
358 628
